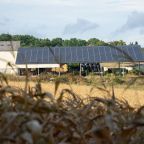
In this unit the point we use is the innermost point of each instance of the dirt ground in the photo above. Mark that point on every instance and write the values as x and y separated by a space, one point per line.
135 97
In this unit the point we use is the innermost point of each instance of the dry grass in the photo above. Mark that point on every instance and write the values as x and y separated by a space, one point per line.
134 96
58 115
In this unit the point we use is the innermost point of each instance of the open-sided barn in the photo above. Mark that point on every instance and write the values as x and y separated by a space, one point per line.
54 57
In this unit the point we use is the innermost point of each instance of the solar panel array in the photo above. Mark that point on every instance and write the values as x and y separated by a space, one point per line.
95 54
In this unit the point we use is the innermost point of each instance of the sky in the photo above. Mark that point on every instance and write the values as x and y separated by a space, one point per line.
108 20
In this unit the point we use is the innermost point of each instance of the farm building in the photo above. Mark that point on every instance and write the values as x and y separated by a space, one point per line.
8 54
14 59
45 58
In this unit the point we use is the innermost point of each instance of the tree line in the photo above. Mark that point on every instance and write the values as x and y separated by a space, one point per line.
30 41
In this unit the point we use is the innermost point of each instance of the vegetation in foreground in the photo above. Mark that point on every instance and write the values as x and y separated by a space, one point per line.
30 116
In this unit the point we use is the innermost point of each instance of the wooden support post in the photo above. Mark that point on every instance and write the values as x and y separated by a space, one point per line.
123 72
38 71
139 67
59 70
119 65
80 70
119 69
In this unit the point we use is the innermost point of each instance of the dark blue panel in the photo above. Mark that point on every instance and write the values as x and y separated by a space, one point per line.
111 54
39 59
137 53
132 53
74 55
45 55
85 54
68 55
27 57
56 55
102 53
20 58
119 54
115 53
108 54
51 55
33 57
97 54
91 54
128 56
80 55
63 55
105 52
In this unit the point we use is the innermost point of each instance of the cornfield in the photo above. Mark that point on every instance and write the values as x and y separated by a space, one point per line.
31 116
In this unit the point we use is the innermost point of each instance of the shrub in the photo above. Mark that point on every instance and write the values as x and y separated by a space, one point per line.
118 80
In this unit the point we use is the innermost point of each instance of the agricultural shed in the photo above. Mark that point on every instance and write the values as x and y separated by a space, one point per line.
46 57
62 55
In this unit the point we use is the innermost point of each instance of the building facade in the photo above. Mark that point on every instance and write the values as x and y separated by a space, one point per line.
8 54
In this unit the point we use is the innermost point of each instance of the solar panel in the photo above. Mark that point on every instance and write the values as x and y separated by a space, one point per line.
79 54
56 55
68 55
74 54
139 54
63 55
121 54
97 54
45 55
91 54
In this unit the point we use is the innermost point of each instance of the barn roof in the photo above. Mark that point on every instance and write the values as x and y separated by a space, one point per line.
56 55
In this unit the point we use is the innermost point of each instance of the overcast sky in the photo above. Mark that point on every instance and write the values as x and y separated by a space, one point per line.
104 19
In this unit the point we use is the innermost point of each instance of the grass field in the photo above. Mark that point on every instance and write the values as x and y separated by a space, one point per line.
134 95
34 116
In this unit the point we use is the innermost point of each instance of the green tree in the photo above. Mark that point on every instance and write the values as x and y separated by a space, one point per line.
43 42
56 42
95 42
82 42
117 43
74 42
26 40
5 37
65 43
31 41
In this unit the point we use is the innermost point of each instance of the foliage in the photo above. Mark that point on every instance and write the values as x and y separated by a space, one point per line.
95 42
56 42
30 41
74 42
118 80
31 116
5 37
117 43
139 69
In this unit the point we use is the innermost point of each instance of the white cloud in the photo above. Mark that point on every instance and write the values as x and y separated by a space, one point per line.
38 2
4 23
81 26
126 5
134 21
52 18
